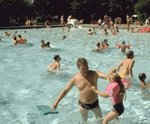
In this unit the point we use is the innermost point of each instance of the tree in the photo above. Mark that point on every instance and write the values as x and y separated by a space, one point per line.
13 8
142 8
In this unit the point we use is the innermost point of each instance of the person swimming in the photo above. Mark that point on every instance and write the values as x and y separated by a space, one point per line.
55 65
143 84
123 46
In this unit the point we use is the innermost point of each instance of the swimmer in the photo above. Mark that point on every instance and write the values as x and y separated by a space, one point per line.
125 67
55 65
90 31
143 84
98 47
83 80
48 45
105 32
45 45
7 34
64 37
21 40
106 45
123 46
116 91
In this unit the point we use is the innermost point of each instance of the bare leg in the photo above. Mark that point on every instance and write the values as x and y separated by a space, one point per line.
84 114
97 112
110 116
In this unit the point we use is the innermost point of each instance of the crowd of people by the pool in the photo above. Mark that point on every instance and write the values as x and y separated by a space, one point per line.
119 78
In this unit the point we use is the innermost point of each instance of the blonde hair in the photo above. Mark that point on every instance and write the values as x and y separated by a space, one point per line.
115 77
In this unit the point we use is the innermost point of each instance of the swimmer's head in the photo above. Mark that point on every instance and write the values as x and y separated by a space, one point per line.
105 40
123 42
15 38
19 36
57 58
64 36
82 62
142 77
130 54
98 44
42 41
48 43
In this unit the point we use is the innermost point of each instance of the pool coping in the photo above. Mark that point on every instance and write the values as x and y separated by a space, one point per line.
122 26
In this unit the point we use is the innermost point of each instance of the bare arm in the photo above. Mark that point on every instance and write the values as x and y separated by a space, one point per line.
102 75
130 69
119 66
67 88
103 94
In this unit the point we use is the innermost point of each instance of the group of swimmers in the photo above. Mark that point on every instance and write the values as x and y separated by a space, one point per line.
86 81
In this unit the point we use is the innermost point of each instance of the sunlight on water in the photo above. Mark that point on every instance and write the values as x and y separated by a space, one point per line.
25 83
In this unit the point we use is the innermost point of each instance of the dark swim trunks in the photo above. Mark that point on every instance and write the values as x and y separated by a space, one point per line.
119 108
89 106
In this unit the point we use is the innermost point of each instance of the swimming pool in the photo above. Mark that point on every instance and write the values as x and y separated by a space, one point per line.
25 82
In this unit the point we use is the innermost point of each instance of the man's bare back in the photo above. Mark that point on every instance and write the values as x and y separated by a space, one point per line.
125 67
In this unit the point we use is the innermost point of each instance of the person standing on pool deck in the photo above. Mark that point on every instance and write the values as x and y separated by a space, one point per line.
83 80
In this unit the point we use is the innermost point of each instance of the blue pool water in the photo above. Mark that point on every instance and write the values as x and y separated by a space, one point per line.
25 83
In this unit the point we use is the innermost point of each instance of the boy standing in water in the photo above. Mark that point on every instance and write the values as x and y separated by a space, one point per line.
83 80
55 65
125 67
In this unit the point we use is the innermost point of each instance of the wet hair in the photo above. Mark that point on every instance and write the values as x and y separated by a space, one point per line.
64 36
56 57
19 36
129 54
98 44
82 61
117 79
48 43
123 42
142 77
15 38
105 40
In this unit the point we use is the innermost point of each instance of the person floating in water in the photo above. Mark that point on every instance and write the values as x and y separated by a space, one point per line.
126 66
55 65
123 46
88 100
143 84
